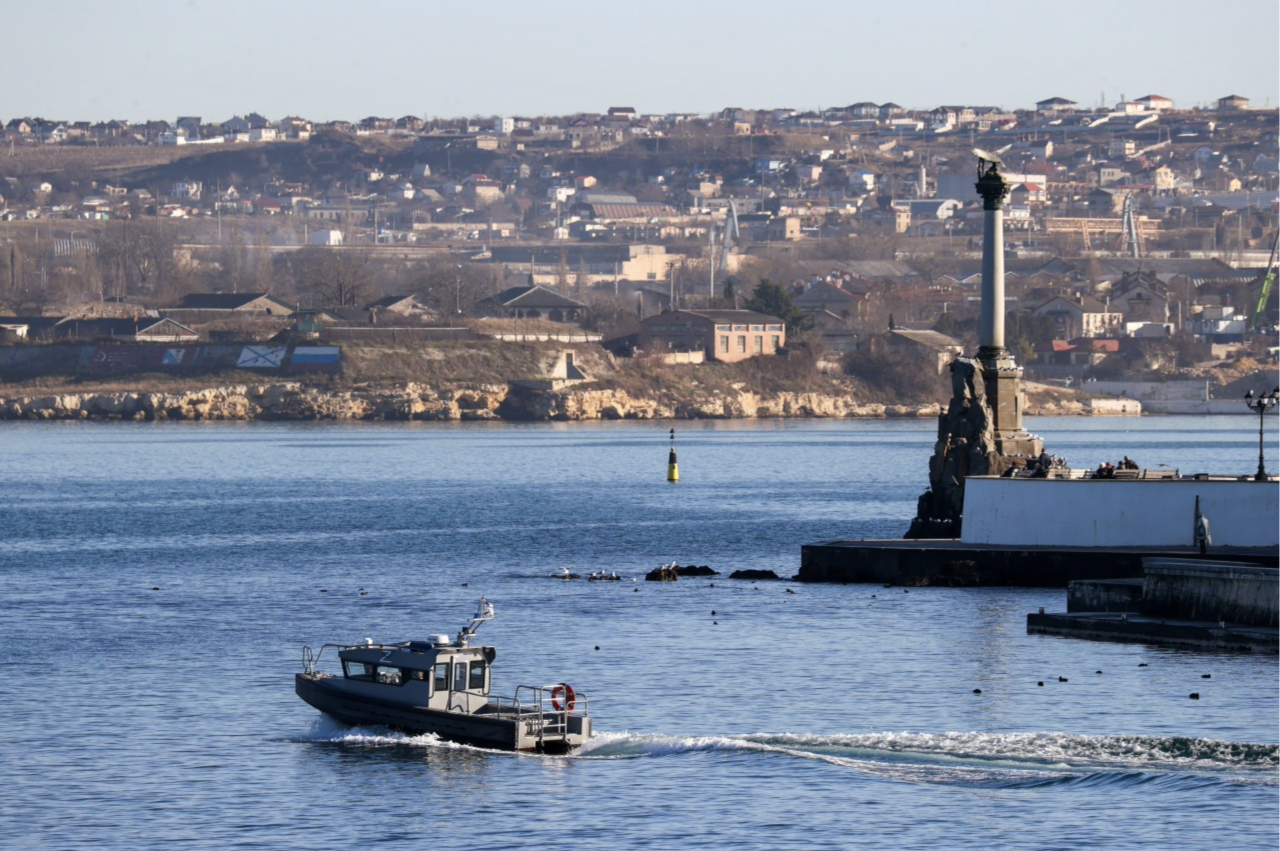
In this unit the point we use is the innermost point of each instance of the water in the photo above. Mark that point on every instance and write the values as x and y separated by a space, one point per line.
161 580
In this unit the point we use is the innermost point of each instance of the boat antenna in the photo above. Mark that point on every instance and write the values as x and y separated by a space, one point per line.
484 612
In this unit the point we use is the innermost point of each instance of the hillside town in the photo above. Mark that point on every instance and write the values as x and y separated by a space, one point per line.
1139 234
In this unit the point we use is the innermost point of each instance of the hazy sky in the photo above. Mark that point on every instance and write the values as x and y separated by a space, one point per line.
323 59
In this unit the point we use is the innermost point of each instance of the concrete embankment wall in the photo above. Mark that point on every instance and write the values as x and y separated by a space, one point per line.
1168 397
1116 513
1211 591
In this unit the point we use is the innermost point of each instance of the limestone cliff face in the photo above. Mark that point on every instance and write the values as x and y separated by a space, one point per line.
297 402
586 403
289 401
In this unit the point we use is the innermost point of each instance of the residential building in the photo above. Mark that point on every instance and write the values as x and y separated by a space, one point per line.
936 348
236 303
1055 104
727 336
1156 103
1141 297
531 302
838 301
1081 316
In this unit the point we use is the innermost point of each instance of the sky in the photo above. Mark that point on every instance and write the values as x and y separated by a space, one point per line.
321 59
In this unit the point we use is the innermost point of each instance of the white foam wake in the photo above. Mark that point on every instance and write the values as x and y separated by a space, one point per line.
973 757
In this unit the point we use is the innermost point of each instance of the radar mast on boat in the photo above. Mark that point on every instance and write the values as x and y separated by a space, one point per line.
484 612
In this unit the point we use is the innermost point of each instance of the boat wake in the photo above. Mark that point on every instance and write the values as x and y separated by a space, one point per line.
1008 760
326 730
1001 760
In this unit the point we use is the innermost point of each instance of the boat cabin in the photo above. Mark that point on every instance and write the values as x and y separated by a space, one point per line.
434 673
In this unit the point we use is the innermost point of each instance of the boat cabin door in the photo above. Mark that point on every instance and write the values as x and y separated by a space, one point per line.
468 684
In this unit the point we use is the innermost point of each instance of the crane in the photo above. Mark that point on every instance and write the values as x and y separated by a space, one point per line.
1130 233
729 236
1268 281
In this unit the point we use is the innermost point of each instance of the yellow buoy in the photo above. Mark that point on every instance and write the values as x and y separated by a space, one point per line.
673 469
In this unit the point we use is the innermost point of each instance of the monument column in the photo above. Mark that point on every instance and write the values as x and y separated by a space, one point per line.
1001 376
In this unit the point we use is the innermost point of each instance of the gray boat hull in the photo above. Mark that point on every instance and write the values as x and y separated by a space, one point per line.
483 729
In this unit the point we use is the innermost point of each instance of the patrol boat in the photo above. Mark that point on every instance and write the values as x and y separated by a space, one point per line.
441 686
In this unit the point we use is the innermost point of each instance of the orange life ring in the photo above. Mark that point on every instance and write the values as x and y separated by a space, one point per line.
563 690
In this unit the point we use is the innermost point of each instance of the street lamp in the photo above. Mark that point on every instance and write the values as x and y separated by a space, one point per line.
1262 404
457 289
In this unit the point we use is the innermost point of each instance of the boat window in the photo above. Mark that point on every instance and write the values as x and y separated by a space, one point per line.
417 675
441 682
476 681
390 676
459 675
358 670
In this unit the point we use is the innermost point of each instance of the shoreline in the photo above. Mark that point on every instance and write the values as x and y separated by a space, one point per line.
294 401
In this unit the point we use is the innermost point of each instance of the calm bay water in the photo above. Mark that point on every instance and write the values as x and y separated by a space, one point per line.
731 714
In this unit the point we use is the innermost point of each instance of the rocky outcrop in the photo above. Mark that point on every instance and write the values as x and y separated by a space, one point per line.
696 570
753 574
583 402
666 573
286 401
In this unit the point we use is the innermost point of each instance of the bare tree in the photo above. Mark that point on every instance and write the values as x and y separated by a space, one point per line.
335 278
452 288
140 259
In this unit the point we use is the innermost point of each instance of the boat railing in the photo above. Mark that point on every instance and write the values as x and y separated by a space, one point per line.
544 713
311 660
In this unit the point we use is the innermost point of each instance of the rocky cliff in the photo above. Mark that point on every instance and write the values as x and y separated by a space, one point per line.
457 402
293 401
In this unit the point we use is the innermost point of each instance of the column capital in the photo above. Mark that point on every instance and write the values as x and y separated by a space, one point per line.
993 188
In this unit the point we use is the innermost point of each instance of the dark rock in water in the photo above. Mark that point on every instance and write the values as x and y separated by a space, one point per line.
1195 695
1142 664
977 691
1202 676
1041 683
753 574
666 573
695 570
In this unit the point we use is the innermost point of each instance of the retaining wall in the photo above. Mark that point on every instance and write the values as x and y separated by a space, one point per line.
1113 513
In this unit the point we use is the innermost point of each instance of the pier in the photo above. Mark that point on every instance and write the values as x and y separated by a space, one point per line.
1180 602
1047 532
